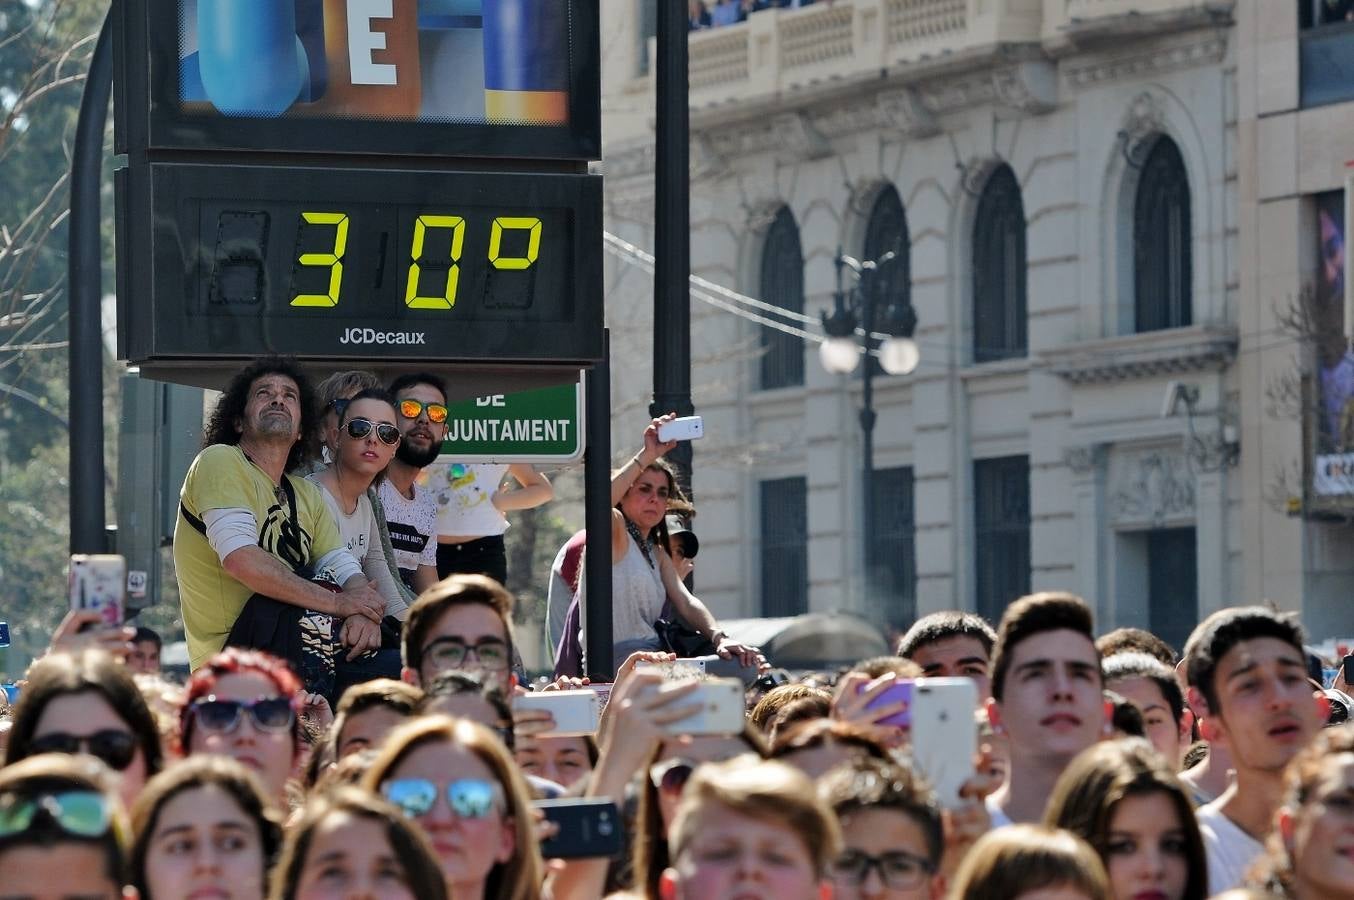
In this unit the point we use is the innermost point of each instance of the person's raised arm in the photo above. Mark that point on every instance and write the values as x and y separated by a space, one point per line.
533 491
653 449
698 616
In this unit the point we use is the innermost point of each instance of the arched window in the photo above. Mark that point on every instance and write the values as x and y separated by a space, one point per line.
885 231
1162 270
782 284
999 270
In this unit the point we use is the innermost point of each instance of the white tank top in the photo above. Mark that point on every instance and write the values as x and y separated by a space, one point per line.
637 595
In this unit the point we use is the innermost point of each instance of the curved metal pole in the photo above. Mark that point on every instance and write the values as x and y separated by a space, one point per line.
85 283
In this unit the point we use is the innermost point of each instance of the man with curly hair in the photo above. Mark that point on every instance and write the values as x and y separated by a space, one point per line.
248 535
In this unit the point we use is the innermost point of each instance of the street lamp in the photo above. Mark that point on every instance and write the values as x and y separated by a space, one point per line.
898 352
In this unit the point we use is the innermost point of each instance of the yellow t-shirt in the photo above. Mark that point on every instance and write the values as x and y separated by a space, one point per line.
223 478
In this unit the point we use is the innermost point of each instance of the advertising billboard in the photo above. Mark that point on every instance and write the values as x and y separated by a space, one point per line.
1331 426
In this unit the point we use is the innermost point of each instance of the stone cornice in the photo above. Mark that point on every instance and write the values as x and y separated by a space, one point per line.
1169 352
1200 48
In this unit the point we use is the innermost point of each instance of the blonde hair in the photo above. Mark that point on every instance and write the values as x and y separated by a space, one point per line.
1010 861
520 877
765 790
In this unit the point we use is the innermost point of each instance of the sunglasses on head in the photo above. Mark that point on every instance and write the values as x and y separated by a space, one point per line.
469 798
359 428
671 775
272 714
410 409
85 814
116 748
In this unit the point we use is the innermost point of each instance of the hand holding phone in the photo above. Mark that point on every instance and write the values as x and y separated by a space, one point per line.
573 712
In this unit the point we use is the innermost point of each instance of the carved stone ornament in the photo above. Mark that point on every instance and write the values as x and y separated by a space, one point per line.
904 111
1153 488
705 160
1031 87
797 139
1086 460
1144 118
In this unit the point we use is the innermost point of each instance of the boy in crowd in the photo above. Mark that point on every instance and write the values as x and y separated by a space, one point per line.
462 623
1151 686
951 644
1047 698
1248 670
144 657
746 827
892 835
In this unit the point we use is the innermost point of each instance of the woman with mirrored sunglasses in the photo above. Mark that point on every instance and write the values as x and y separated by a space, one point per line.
366 441
242 704
459 783
349 843
203 828
62 829
87 702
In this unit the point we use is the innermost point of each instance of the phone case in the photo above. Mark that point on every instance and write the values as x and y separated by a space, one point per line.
575 712
721 712
899 690
944 734
588 828
99 582
688 428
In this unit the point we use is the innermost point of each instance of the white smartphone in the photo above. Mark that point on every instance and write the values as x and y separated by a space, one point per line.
944 734
575 712
687 428
722 710
98 581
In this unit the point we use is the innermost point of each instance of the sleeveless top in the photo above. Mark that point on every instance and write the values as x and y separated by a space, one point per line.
637 595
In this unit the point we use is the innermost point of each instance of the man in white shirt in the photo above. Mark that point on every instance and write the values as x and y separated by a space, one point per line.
1248 669
410 511
1047 699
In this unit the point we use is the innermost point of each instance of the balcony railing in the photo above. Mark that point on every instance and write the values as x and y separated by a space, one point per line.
778 50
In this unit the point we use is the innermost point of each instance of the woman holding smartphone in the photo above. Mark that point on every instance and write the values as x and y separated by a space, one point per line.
643 576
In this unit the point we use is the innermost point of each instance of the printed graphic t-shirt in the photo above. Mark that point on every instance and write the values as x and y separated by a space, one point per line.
223 478
413 528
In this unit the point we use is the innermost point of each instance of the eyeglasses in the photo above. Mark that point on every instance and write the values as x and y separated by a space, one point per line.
671 775
116 748
897 869
451 653
84 814
359 428
469 798
274 714
410 408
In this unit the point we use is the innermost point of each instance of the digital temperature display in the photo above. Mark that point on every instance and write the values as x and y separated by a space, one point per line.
431 265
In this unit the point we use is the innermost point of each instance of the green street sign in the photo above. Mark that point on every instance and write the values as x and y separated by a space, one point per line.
540 426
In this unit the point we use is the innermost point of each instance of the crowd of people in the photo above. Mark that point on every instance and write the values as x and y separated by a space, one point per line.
356 723
715 13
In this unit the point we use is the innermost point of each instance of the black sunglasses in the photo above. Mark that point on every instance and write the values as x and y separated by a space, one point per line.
116 748
360 428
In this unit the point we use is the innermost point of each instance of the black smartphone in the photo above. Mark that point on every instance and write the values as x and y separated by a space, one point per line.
588 828
1347 669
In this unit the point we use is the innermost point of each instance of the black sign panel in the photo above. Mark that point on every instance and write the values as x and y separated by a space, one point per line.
463 78
335 263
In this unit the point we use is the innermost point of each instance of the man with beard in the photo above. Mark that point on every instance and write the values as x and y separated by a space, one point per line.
411 512
248 534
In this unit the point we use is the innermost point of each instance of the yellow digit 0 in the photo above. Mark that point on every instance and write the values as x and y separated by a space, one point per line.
528 224
412 298
333 260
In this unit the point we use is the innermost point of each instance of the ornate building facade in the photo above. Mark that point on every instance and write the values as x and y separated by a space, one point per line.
1062 183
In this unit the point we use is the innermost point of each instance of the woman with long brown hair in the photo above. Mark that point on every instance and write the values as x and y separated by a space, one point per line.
455 778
